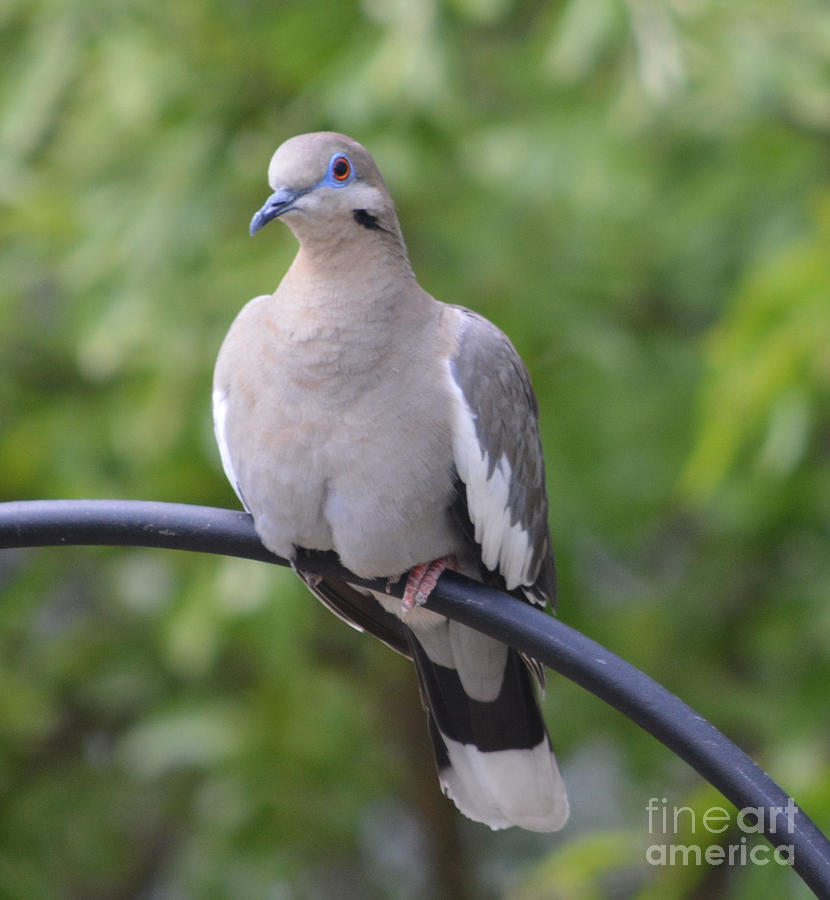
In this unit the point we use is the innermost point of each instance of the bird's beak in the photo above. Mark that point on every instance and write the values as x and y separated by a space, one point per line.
278 203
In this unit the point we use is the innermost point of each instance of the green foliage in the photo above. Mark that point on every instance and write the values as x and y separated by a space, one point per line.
638 193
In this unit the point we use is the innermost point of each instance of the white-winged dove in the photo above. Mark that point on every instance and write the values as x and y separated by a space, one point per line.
357 414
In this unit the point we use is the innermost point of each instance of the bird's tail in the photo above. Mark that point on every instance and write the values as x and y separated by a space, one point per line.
494 756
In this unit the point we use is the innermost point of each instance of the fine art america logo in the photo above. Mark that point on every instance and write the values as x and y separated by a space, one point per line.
699 830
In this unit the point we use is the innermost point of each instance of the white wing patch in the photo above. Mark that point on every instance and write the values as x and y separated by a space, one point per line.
220 415
505 548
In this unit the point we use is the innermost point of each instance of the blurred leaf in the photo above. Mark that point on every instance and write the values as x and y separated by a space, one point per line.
191 737
584 869
770 368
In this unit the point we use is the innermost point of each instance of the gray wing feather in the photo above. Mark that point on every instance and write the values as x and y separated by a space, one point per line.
498 395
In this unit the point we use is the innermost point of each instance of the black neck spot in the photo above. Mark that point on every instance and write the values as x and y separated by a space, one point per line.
366 219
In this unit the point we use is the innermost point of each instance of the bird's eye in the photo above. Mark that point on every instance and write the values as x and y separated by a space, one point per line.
341 168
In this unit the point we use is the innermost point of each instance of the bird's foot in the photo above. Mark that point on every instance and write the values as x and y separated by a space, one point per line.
421 581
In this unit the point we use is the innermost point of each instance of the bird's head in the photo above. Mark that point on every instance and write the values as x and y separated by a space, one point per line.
325 182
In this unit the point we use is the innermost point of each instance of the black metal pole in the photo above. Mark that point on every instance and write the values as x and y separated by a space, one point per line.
621 685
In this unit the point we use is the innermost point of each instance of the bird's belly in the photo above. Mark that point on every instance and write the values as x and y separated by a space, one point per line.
283 485
384 531
361 495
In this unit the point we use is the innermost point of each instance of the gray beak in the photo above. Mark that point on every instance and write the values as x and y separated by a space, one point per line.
278 203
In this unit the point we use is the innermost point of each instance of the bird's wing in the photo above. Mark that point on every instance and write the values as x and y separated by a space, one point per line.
498 456
359 609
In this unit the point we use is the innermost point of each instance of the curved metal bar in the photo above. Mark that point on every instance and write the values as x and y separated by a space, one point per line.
592 666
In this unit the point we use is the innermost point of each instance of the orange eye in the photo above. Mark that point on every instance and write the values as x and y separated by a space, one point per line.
341 168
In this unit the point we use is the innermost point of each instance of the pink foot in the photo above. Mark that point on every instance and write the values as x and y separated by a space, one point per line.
421 582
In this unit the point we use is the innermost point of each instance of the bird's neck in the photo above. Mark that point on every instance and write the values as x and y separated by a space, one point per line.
333 315
368 279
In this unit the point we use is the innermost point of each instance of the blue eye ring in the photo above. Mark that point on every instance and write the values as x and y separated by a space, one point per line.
340 170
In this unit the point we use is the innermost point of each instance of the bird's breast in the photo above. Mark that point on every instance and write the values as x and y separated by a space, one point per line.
338 444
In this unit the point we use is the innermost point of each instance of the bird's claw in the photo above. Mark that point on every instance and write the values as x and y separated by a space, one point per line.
421 581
